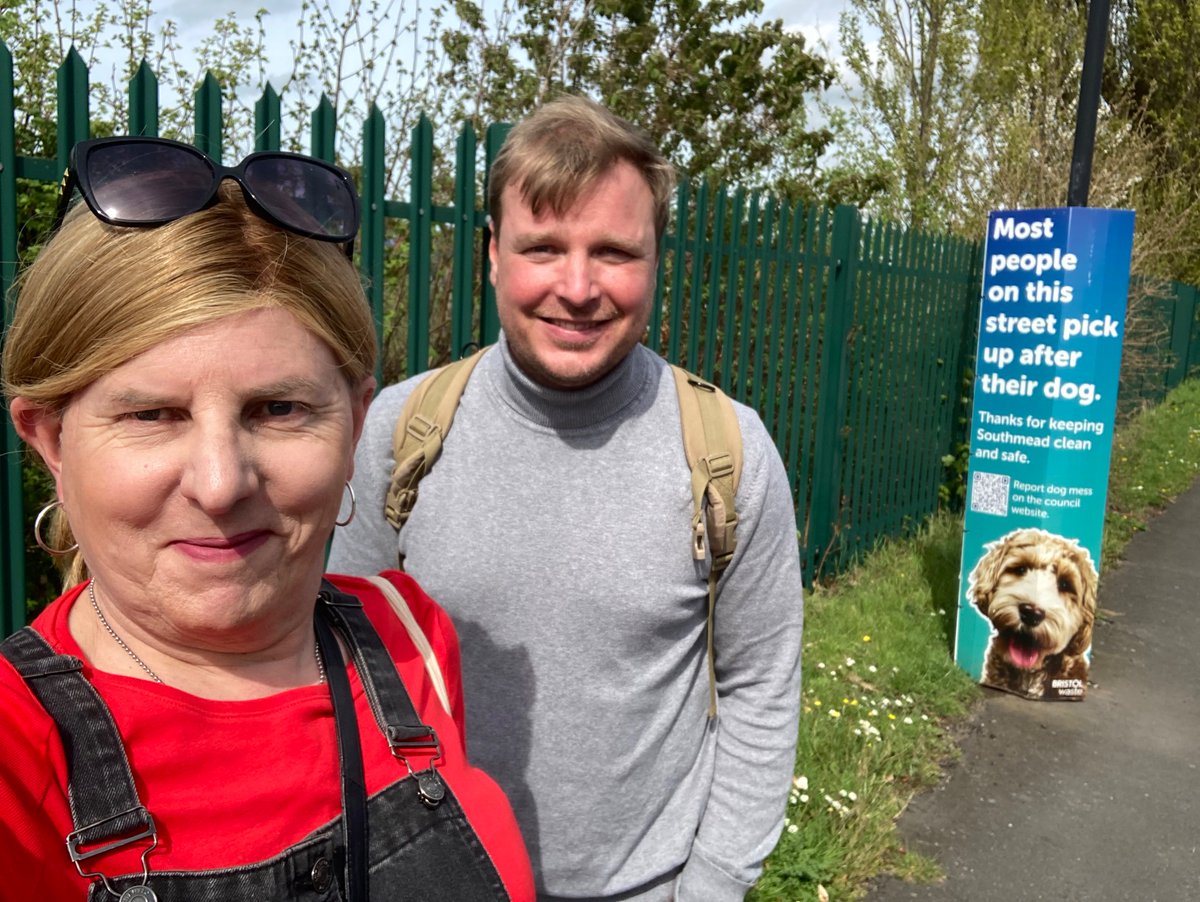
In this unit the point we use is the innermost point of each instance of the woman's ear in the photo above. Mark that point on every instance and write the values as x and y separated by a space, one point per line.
41 429
360 400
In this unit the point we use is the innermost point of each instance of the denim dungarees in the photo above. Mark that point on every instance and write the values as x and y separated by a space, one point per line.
421 845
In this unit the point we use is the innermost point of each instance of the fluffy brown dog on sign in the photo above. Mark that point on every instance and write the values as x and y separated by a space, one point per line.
1038 591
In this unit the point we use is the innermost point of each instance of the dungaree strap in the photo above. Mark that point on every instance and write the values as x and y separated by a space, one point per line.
390 703
105 807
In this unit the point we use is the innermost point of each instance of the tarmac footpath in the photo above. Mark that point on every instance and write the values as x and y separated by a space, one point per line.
1091 801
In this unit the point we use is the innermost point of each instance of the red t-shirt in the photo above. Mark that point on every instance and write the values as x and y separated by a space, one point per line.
231 783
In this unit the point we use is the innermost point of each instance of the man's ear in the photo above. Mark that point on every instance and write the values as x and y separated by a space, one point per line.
493 254
41 429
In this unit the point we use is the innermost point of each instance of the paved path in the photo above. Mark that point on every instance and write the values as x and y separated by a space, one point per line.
1093 801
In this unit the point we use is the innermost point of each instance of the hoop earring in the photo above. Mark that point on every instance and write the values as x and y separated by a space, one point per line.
353 507
37 532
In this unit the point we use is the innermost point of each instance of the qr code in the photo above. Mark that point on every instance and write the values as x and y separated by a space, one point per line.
989 493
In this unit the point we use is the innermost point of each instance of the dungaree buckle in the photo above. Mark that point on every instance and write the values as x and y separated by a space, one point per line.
430 788
143 820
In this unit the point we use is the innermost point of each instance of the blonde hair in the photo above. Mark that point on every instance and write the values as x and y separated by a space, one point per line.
99 295
561 149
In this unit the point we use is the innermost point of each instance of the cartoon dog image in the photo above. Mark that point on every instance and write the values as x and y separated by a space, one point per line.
1038 590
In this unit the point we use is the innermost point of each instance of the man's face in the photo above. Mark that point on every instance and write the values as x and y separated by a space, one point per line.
574 291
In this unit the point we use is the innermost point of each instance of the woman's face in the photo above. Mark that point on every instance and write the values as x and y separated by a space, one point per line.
202 478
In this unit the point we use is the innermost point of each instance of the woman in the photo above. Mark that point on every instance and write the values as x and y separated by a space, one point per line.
193 364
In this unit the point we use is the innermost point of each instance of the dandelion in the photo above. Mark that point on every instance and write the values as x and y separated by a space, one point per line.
866 638
816 702
891 716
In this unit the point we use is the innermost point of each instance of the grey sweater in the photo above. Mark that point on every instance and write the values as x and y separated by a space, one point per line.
555 529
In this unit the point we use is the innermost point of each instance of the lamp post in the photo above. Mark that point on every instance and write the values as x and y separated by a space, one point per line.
1089 101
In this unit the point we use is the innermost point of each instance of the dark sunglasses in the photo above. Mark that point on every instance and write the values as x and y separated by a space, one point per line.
153 181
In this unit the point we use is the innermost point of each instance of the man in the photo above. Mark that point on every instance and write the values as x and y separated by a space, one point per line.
555 528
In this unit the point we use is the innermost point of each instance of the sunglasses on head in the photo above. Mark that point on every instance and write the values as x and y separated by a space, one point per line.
152 181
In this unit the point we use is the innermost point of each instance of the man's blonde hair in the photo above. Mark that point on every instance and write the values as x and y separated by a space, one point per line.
99 295
559 151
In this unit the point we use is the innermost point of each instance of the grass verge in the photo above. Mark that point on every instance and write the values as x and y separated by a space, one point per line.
883 700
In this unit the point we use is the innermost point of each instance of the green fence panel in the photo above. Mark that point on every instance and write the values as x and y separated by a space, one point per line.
489 319
801 454
1194 342
696 266
1181 333
763 255
324 131
370 259
74 124
12 508
863 384
713 292
143 102
774 342
788 345
268 121
678 270
826 489
463 292
209 117
420 247
731 293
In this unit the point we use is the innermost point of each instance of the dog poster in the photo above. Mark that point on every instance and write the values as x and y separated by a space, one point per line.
1051 322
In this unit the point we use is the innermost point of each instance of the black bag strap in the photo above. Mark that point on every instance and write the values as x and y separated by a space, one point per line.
354 781
390 703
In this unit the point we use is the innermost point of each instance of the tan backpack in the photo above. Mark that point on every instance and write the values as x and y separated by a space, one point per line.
712 443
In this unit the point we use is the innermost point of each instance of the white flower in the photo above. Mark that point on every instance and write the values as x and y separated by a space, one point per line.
800 781
792 828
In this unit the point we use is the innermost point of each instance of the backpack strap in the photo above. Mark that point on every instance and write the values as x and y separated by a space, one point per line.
420 431
712 442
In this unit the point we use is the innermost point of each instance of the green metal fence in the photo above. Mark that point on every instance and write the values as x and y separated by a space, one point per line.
1162 341
850 337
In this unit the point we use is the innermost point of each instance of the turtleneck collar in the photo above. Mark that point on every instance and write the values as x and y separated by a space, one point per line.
584 408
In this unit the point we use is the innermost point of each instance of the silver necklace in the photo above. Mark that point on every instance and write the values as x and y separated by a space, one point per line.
142 664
